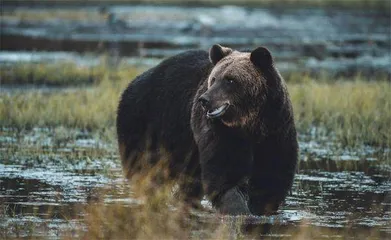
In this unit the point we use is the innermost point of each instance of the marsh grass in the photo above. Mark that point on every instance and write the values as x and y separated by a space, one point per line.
356 111
87 108
157 212
55 74
57 14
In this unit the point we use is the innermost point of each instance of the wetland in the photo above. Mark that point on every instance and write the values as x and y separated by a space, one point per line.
60 174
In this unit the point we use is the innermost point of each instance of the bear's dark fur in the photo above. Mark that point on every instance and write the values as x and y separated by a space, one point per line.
224 119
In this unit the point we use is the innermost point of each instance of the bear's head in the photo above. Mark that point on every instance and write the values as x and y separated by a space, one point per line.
237 85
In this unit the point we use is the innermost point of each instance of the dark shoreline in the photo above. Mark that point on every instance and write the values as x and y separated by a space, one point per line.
336 41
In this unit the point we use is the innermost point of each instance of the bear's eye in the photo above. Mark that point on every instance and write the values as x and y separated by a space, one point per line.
230 80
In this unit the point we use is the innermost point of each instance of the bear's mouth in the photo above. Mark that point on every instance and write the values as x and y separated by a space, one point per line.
217 112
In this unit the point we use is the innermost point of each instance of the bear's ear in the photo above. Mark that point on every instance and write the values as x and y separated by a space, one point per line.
261 57
217 52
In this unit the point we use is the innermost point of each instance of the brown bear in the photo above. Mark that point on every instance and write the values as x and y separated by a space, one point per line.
225 120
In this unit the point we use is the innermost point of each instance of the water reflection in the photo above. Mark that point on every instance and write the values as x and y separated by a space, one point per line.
52 191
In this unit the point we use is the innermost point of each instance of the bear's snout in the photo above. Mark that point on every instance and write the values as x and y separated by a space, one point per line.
205 102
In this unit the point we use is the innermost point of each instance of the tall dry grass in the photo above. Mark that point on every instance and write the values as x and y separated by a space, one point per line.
54 74
356 112
90 108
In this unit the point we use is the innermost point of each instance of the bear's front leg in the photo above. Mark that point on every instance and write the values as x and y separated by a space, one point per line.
233 202
225 169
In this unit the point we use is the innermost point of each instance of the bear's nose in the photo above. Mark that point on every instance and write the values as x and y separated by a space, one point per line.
204 100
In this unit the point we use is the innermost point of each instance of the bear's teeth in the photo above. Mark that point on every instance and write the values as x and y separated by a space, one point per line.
217 112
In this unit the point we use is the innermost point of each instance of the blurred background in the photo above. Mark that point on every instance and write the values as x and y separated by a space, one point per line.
342 38
64 64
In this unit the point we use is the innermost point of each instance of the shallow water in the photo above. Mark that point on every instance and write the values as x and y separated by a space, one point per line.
48 175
